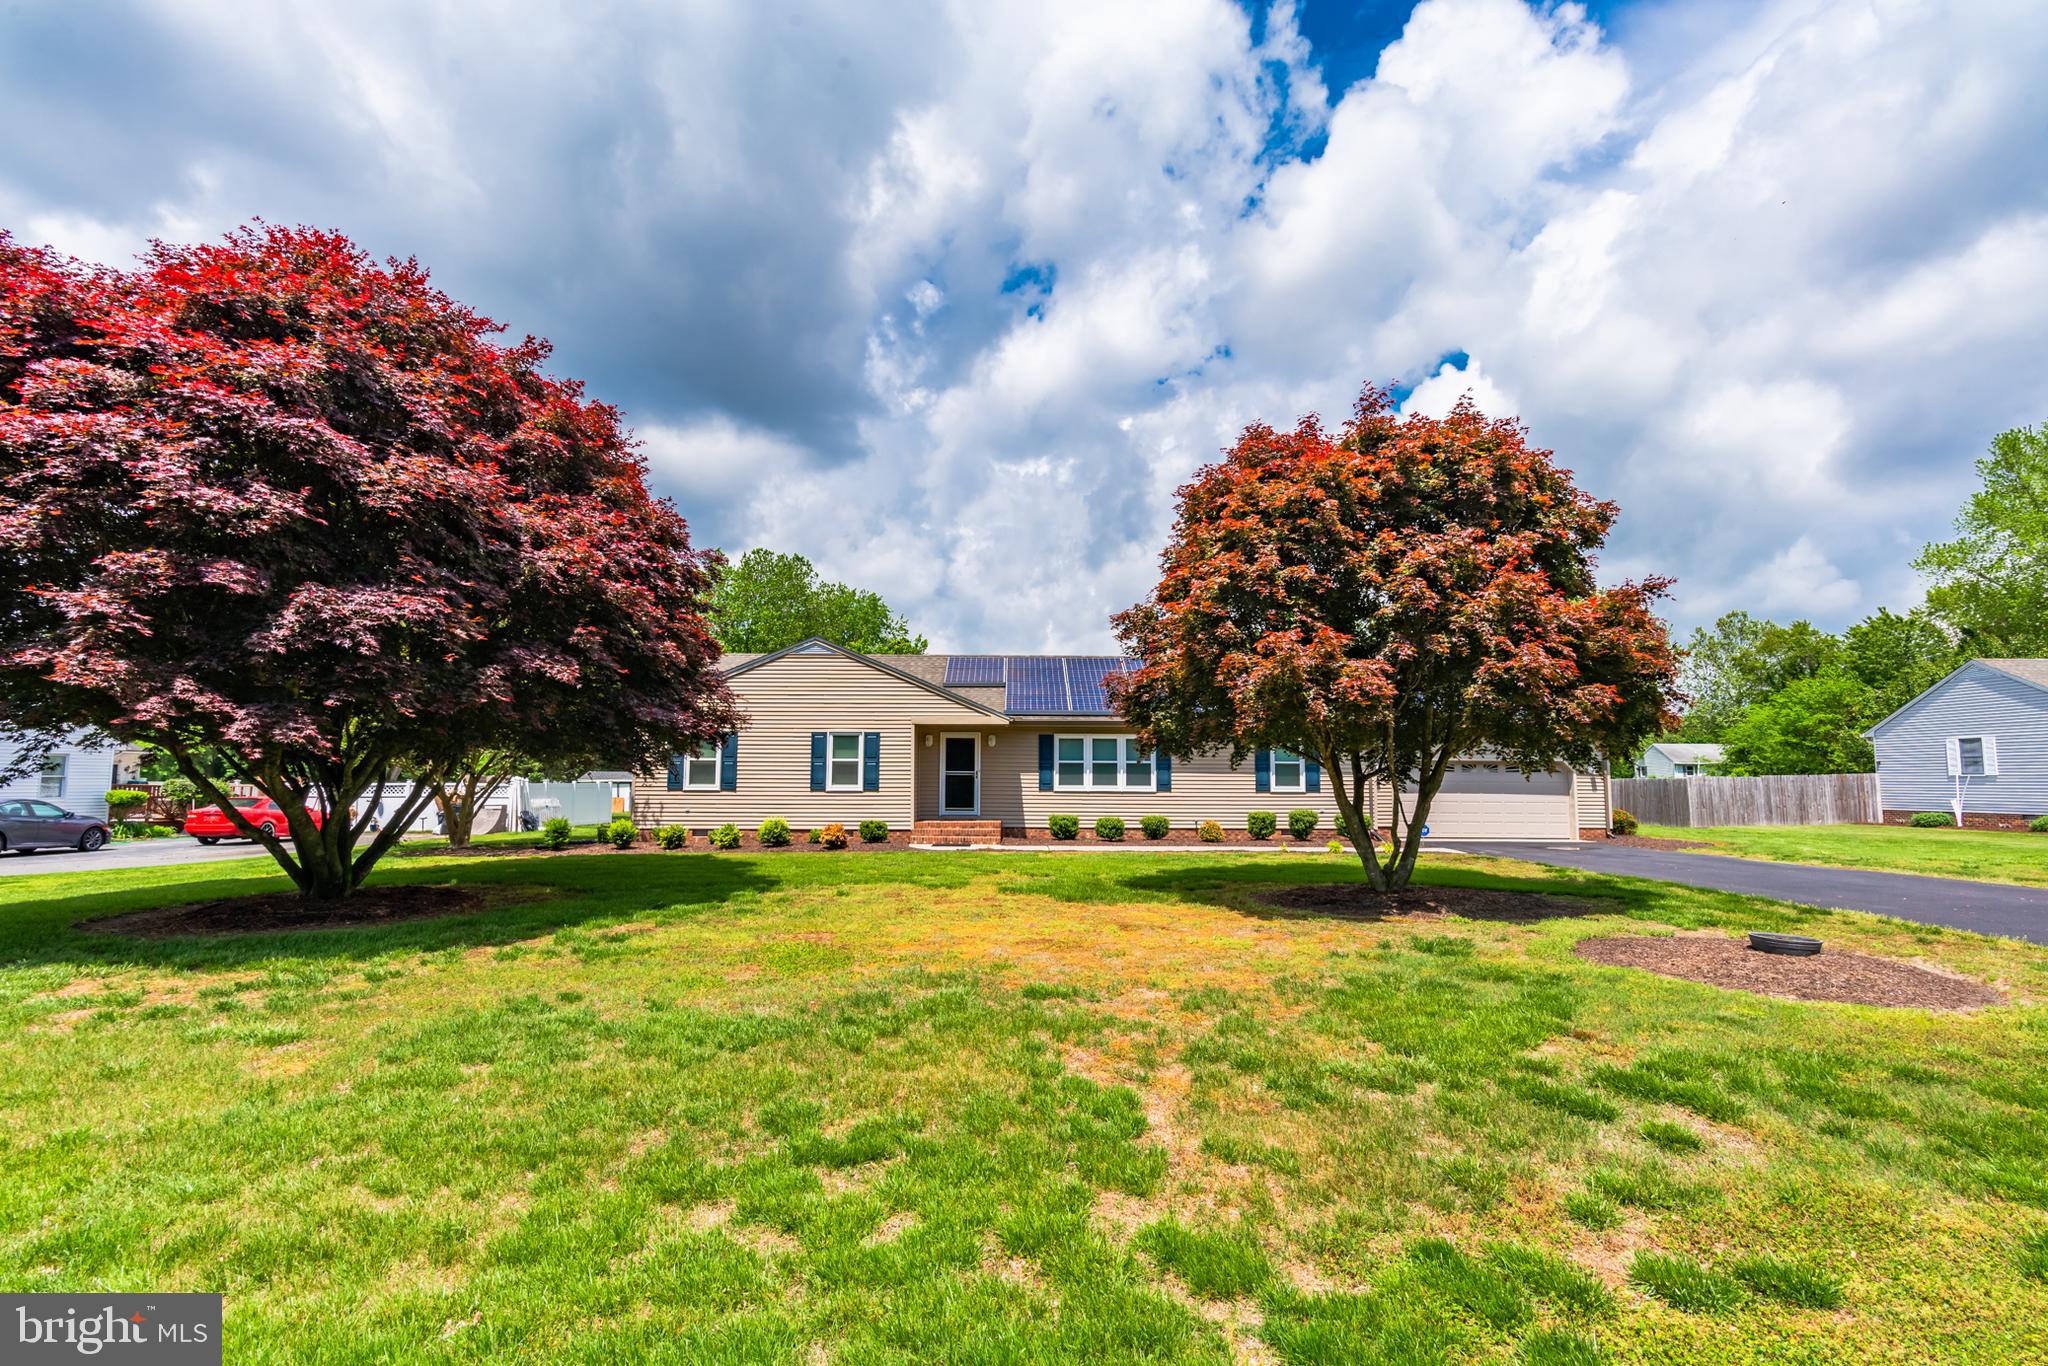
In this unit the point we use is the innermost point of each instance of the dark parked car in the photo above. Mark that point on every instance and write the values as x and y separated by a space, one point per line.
26 823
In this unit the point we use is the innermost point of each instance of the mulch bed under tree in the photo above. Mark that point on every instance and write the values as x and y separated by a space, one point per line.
1356 901
1831 975
276 912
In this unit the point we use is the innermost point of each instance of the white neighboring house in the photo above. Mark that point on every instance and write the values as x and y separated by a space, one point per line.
75 775
1974 745
1670 760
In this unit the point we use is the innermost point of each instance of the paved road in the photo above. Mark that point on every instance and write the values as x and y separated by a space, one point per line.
126 854
1986 907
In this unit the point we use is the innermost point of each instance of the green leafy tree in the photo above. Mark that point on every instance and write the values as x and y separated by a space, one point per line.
1990 584
1741 661
1811 725
770 600
1897 658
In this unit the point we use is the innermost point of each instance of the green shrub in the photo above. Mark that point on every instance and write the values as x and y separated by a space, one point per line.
554 832
774 832
121 800
1334 847
874 832
1063 826
1261 824
1211 832
1684 1284
180 790
1931 820
2039 825
1109 827
1624 823
1302 823
1155 827
726 836
672 836
831 836
619 832
1672 1138
812 835
1801 1284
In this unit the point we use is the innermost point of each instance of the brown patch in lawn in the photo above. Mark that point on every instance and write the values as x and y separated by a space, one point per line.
1831 975
890 1229
279 912
1017 1271
704 1218
1357 901
761 1240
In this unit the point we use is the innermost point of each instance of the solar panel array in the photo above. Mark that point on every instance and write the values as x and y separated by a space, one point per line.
974 671
1070 685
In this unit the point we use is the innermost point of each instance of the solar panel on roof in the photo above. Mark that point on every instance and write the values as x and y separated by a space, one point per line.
974 671
1085 674
1036 685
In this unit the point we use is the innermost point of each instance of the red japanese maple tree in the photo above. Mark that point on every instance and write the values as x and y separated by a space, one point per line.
1411 591
272 499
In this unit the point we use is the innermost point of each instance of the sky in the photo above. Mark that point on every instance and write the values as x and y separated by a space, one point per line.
951 297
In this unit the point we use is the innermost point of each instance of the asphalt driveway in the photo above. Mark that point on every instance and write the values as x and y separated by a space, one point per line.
1986 907
126 854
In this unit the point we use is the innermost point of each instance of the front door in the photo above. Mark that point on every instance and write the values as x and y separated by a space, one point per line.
960 775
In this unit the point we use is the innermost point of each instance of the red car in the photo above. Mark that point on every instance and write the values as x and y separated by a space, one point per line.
209 825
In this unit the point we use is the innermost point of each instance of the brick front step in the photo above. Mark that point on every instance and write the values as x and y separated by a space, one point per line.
956 832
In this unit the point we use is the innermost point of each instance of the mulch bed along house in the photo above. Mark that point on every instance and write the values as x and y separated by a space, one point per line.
1831 975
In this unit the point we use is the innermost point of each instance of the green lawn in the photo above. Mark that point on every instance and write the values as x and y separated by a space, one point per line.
1982 855
1010 1108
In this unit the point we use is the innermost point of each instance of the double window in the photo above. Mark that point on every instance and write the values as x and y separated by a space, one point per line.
1289 773
1115 762
700 767
842 761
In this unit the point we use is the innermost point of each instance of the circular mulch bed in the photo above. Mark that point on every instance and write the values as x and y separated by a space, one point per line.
1357 901
1831 975
275 912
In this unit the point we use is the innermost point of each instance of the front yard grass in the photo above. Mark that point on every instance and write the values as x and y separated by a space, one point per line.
1979 855
1011 1108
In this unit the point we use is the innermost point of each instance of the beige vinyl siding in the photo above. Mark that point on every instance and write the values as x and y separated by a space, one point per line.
1591 795
1204 788
786 701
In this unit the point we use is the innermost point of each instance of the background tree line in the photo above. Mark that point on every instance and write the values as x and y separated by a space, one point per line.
1797 699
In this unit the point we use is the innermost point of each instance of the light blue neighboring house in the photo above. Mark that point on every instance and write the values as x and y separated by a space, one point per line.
1974 745
75 775
1669 759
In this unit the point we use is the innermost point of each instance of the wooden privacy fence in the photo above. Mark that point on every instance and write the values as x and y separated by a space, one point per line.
1781 799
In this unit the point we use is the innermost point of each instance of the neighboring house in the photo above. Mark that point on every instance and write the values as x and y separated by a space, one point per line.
75 775
1668 760
1974 745
991 745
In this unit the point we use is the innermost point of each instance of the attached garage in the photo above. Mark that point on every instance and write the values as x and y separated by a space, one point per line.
1491 801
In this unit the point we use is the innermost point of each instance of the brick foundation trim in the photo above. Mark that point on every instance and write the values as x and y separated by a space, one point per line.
1972 820
1593 832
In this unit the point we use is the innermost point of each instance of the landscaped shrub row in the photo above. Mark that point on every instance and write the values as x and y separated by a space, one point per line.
1260 825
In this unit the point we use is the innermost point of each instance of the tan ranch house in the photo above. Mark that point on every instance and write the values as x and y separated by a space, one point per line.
980 747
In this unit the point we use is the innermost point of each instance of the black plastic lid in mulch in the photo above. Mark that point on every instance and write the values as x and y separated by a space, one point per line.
1793 945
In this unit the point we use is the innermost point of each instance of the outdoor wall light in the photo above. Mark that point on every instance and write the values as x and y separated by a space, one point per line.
927 742
991 742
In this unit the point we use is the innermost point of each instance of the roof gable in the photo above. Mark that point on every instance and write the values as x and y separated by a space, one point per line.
2003 667
817 645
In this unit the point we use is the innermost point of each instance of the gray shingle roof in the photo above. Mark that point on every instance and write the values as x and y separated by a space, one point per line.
2033 671
929 669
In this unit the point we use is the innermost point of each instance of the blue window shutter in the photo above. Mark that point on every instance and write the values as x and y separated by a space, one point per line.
1162 769
1315 775
1045 763
817 761
1262 770
729 763
871 755
675 772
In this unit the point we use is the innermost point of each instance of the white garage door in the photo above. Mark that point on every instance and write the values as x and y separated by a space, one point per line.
1479 801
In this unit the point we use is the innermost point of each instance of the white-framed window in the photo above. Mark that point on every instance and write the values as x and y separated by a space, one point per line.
1113 762
1973 756
700 767
1289 774
50 780
842 761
